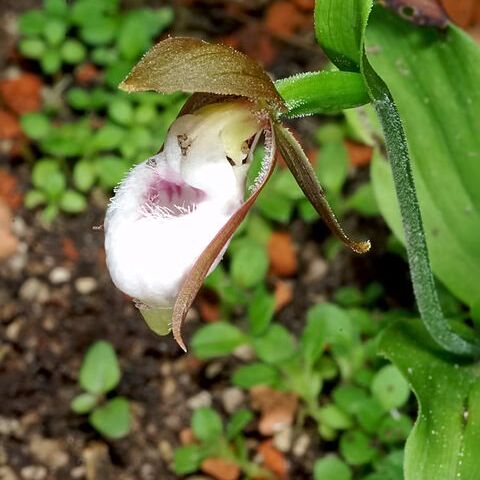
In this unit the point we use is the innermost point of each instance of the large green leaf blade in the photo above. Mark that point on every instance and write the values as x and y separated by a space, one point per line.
339 27
433 77
445 441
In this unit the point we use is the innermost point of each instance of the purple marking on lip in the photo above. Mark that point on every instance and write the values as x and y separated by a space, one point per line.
175 196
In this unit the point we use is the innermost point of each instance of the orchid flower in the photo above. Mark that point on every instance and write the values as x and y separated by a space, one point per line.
173 215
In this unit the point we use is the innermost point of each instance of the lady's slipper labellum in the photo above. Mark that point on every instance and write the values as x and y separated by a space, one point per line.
173 216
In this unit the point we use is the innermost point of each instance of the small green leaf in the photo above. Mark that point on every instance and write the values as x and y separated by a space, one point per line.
322 92
239 420
326 324
73 52
100 372
78 98
54 31
112 419
187 459
104 56
363 201
51 62
395 429
332 166
276 345
32 22
370 414
48 177
260 310
84 175
84 403
390 387
331 468
348 296
108 137
349 398
216 339
110 170
100 30
357 448
35 125
34 198
49 213
206 424
56 8
249 264
334 417
249 376
120 110
72 202
32 48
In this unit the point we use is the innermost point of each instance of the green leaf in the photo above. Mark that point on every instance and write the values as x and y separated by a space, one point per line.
110 170
261 309
370 415
54 31
363 200
249 264
57 8
47 177
206 424
446 437
239 420
326 324
390 388
339 28
100 371
276 345
112 420
395 429
349 398
357 448
331 468
32 22
254 374
216 339
120 110
438 104
334 417
100 30
51 62
322 92
108 137
73 52
67 140
190 65
72 202
32 48
187 459
332 166
79 98
84 175
49 213
35 125
84 403
423 282
34 198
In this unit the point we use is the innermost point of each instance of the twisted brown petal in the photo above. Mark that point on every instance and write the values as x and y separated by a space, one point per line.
192 65
303 172
197 274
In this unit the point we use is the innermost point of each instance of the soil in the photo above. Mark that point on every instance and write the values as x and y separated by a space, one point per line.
56 298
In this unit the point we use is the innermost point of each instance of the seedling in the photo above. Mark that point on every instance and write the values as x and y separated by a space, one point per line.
213 440
99 375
